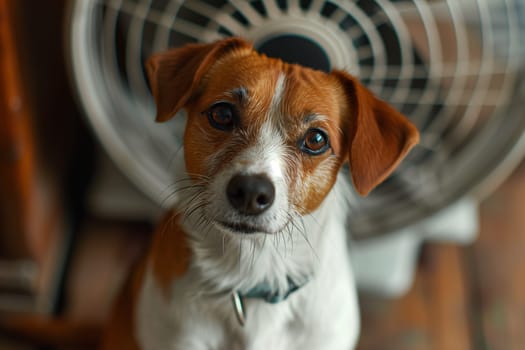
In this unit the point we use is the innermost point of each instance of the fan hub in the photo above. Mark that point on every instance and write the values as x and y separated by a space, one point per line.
307 41
296 49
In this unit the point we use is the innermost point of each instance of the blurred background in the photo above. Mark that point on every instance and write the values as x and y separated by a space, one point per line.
85 171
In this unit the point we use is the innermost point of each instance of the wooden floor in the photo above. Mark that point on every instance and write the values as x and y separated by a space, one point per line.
463 297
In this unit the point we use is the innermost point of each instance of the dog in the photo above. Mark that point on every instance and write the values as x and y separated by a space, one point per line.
254 253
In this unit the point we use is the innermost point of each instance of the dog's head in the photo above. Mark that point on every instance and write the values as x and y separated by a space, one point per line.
266 138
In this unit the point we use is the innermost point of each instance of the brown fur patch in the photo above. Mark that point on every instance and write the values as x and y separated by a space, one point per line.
169 257
120 333
170 254
380 137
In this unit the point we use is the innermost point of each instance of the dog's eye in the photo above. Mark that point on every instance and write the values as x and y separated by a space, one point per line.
222 116
315 142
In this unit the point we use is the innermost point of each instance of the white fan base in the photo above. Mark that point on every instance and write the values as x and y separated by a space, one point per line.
385 266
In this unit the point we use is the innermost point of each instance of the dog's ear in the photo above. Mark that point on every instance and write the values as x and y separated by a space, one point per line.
175 74
379 136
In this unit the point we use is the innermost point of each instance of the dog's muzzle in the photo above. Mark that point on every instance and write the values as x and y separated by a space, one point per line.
250 194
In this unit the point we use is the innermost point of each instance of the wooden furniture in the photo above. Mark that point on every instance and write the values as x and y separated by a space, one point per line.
38 135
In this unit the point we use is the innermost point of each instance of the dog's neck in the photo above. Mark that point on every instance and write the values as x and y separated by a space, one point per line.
226 262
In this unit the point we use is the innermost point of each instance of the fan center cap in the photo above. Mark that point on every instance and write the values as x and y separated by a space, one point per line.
298 49
310 42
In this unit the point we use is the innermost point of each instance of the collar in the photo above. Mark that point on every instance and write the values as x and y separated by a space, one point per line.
261 291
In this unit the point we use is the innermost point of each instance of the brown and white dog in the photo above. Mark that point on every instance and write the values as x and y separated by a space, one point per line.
254 255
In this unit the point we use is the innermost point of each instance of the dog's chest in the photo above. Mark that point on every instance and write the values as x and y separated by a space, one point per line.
324 309
304 321
187 321
322 314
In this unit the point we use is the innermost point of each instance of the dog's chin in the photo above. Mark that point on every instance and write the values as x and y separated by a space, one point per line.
240 228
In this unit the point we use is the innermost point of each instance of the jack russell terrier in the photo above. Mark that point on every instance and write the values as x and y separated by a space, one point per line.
254 254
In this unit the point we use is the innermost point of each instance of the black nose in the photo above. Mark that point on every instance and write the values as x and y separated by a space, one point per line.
250 194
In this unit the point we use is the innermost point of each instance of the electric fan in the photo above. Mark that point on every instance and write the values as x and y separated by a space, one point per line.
454 67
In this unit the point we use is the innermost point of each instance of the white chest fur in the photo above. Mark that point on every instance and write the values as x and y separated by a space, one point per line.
323 314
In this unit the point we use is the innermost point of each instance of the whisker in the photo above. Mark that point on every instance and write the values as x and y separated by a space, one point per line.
305 237
209 228
252 261
240 254
276 247
192 209
197 180
202 220
262 247
289 229
178 190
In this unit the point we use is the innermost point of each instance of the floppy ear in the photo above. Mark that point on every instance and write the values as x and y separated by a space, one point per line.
379 136
175 74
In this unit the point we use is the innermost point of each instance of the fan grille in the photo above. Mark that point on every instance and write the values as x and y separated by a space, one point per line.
454 67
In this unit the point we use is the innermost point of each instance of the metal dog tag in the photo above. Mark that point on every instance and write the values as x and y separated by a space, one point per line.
238 307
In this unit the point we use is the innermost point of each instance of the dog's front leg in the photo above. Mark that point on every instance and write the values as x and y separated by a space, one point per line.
330 312
335 325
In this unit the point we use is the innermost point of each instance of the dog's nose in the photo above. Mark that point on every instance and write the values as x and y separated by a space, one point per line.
250 194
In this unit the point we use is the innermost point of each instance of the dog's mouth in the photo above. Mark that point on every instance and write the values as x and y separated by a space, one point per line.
240 228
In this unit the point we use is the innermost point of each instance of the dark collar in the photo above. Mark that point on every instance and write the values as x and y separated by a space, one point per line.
261 291
265 292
